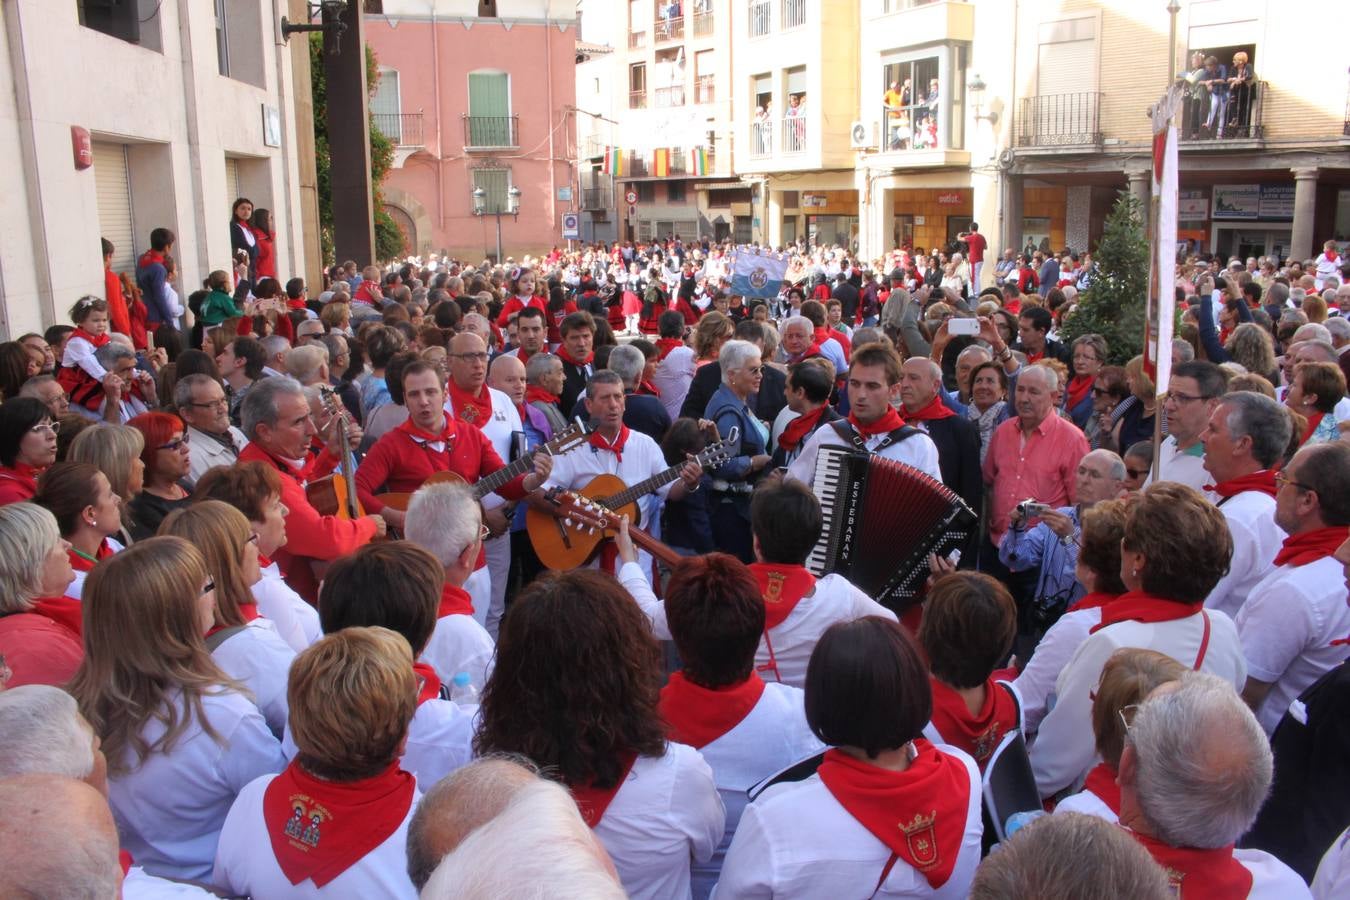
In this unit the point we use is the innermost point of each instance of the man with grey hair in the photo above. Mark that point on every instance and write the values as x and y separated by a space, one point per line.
309 331
308 364
212 440
642 412
1194 772
42 732
446 521
544 380
275 347
1182 351
127 391
1244 440
278 423
47 389
474 323
957 438
57 839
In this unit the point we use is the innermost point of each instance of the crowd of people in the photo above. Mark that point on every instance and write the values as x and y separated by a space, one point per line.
279 614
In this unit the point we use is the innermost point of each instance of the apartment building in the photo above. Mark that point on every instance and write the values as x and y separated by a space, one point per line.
479 107
120 118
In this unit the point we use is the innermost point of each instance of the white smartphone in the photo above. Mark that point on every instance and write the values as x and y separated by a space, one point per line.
963 325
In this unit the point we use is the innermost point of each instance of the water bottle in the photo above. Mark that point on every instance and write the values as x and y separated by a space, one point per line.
462 690
1020 820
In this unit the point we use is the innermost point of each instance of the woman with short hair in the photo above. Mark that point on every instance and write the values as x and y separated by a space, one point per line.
747 456
1089 356
575 689
335 821
116 451
988 401
1317 388
887 812
87 513
243 643
39 625
181 738
711 332
167 463
27 446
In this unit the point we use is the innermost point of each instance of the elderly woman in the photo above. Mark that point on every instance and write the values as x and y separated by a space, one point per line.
245 645
988 401
1317 388
1133 417
886 807
653 804
1108 390
1128 677
167 461
182 739
352 698
734 480
39 625
116 451
88 513
1175 548
1089 355
27 446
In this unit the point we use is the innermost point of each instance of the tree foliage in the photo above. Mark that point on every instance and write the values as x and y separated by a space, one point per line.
1113 305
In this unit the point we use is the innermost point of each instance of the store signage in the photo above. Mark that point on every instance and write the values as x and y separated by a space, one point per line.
1277 201
815 201
950 199
1253 201
1193 206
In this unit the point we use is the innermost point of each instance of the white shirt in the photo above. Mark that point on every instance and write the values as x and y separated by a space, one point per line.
835 599
917 450
797 841
206 452
246 863
141 885
666 812
1286 628
1065 749
1089 804
672 378
1256 540
1175 464
773 736
1333 875
1037 681
642 458
77 586
259 659
505 422
460 644
170 809
1271 879
295 621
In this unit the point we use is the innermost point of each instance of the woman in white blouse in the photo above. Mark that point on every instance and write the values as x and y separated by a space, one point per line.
181 737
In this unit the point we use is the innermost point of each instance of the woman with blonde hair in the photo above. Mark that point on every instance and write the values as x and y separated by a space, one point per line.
1134 415
245 645
88 513
181 738
116 451
1252 347
336 317
39 625
712 331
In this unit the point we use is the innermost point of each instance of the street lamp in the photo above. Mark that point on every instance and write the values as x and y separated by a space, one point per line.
512 208
976 87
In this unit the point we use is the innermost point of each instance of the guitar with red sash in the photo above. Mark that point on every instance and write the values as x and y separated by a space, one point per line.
581 513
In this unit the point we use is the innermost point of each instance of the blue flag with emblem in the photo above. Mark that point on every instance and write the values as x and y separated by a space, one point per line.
757 273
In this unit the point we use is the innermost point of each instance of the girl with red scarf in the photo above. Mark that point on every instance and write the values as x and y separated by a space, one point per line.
520 282
80 373
887 810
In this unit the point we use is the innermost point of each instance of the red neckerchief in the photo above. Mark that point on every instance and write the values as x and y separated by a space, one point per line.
697 716
1331 255
1101 782
454 601
1199 874
1014 306
63 611
296 303
809 353
521 410
598 440
1036 357
569 358
1263 481
126 861
1094 600
885 425
446 436
933 411
524 355
796 430
976 734
150 257
428 683
1314 419
475 409
1079 388
665 345
647 389
592 801
920 813
1310 546
98 340
248 610
320 829
81 564
1137 606
782 587
534 393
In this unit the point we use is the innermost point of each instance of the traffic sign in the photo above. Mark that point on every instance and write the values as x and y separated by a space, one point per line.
631 196
571 226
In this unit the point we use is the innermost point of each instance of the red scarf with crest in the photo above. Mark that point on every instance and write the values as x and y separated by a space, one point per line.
569 358
455 601
920 813
320 829
63 611
976 734
1199 874
1137 606
597 439
665 345
697 716
884 425
799 428
1263 481
1101 782
534 393
782 587
934 410
592 801
475 409
1310 546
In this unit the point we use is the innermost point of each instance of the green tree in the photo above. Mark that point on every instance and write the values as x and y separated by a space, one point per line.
1113 306
389 238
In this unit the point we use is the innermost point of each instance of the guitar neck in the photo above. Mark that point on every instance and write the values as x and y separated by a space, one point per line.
657 549
486 485
643 488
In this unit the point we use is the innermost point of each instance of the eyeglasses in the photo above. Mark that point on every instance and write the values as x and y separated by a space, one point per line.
53 427
221 403
208 587
1100 391
1127 715
175 444
470 357
1136 473
1282 479
753 370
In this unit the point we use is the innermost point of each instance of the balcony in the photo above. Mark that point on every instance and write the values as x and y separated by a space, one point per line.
637 40
670 29
912 127
1236 120
794 134
592 146
667 97
1059 120
490 132
704 89
761 139
759 17
793 13
404 129
703 24
637 99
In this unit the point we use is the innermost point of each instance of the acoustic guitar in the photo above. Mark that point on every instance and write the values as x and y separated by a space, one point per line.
335 495
561 546
583 514
573 436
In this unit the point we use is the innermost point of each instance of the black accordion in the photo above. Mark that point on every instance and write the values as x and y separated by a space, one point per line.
881 520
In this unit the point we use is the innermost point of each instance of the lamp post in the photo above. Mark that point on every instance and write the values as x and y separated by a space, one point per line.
1173 7
976 87
512 208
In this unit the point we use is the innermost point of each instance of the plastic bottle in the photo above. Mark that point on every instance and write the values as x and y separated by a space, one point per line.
1021 819
462 690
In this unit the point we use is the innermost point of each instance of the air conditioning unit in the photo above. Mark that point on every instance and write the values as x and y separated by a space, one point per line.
863 135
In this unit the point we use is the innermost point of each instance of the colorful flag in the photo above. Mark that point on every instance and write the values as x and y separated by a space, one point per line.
661 162
756 272
698 161
1160 314
613 162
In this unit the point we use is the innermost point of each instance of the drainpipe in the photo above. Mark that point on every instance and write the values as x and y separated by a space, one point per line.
436 95
552 161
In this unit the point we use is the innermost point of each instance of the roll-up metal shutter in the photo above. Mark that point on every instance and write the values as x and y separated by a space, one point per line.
113 187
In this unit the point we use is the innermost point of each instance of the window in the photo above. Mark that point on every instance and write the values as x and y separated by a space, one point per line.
704 67
495 181
1064 108
742 230
794 13
490 121
676 191
386 106
759 17
924 100
646 191
133 21
761 129
637 86
794 117
222 39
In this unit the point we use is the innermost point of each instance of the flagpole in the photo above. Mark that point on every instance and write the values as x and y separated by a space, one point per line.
1156 279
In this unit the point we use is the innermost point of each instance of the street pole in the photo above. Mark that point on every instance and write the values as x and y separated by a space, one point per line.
499 237
1173 7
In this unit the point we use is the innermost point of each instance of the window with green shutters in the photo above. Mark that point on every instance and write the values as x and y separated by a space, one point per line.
495 182
490 123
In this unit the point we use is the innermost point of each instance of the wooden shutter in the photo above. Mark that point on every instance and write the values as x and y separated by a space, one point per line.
232 180
495 182
1067 68
387 106
488 94
113 188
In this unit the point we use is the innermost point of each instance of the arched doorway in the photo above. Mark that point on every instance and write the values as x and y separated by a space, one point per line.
405 224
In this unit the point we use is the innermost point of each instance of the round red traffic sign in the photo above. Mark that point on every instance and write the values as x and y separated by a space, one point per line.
631 196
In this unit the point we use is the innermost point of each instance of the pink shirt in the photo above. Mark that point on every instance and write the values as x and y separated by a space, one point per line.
1043 467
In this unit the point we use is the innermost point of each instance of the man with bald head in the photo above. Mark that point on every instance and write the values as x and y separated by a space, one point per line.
507 374
957 438
57 839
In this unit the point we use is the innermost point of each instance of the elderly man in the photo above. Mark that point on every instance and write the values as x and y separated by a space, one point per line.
57 839
1192 395
642 412
1295 621
212 440
966 361
275 347
957 438
279 426
127 391
544 381
308 364
1194 772
47 389
1244 440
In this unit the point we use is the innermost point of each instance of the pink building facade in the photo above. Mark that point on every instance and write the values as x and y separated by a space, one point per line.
481 106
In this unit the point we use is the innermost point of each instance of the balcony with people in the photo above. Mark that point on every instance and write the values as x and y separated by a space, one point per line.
1223 101
668 21
922 107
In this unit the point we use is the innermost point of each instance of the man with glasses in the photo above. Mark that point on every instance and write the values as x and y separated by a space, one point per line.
212 441
1192 395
